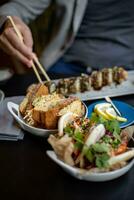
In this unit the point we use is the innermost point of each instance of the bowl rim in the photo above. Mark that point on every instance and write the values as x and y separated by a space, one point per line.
22 122
85 172
43 129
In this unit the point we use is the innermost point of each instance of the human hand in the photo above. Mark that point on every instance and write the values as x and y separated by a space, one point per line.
10 43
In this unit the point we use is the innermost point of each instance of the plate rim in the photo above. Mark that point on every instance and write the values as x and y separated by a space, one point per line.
115 101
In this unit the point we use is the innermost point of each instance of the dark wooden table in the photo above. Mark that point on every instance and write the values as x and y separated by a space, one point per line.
27 173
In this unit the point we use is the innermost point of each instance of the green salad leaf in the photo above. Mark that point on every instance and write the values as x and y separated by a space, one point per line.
87 152
115 143
78 145
100 147
111 125
69 130
114 127
102 160
97 119
78 135
97 153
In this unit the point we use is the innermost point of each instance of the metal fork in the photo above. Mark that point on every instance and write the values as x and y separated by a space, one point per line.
110 101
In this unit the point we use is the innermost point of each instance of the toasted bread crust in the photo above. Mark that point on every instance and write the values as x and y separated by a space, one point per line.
42 90
49 119
23 105
43 110
37 90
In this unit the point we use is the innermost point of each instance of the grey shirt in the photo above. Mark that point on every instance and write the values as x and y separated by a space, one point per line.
30 9
106 35
104 38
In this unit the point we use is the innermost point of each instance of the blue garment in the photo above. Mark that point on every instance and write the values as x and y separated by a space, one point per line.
74 68
70 69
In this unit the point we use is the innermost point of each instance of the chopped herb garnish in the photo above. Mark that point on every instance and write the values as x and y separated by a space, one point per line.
78 145
114 127
69 130
107 139
98 153
111 125
102 160
88 154
100 147
115 143
78 136
94 118
97 119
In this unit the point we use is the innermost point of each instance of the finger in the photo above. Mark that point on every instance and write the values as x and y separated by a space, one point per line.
27 37
10 50
24 30
17 44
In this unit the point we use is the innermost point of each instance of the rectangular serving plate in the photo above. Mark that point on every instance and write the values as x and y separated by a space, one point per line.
125 88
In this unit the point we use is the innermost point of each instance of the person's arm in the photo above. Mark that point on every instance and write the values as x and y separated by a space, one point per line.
19 10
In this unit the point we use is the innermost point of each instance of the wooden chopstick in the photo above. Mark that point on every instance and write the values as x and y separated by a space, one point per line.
41 68
15 28
21 39
36 73
35 58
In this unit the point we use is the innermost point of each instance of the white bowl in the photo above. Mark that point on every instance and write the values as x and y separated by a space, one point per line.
87 175
14 110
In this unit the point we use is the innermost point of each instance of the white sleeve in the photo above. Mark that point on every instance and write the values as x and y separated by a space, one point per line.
25 9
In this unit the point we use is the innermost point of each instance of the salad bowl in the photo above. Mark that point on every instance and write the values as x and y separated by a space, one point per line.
87 175
92 150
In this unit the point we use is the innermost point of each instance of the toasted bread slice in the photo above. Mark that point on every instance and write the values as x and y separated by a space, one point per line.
23 105
43 104
48 117
52 115
36 91
75 107
45 101
41 90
